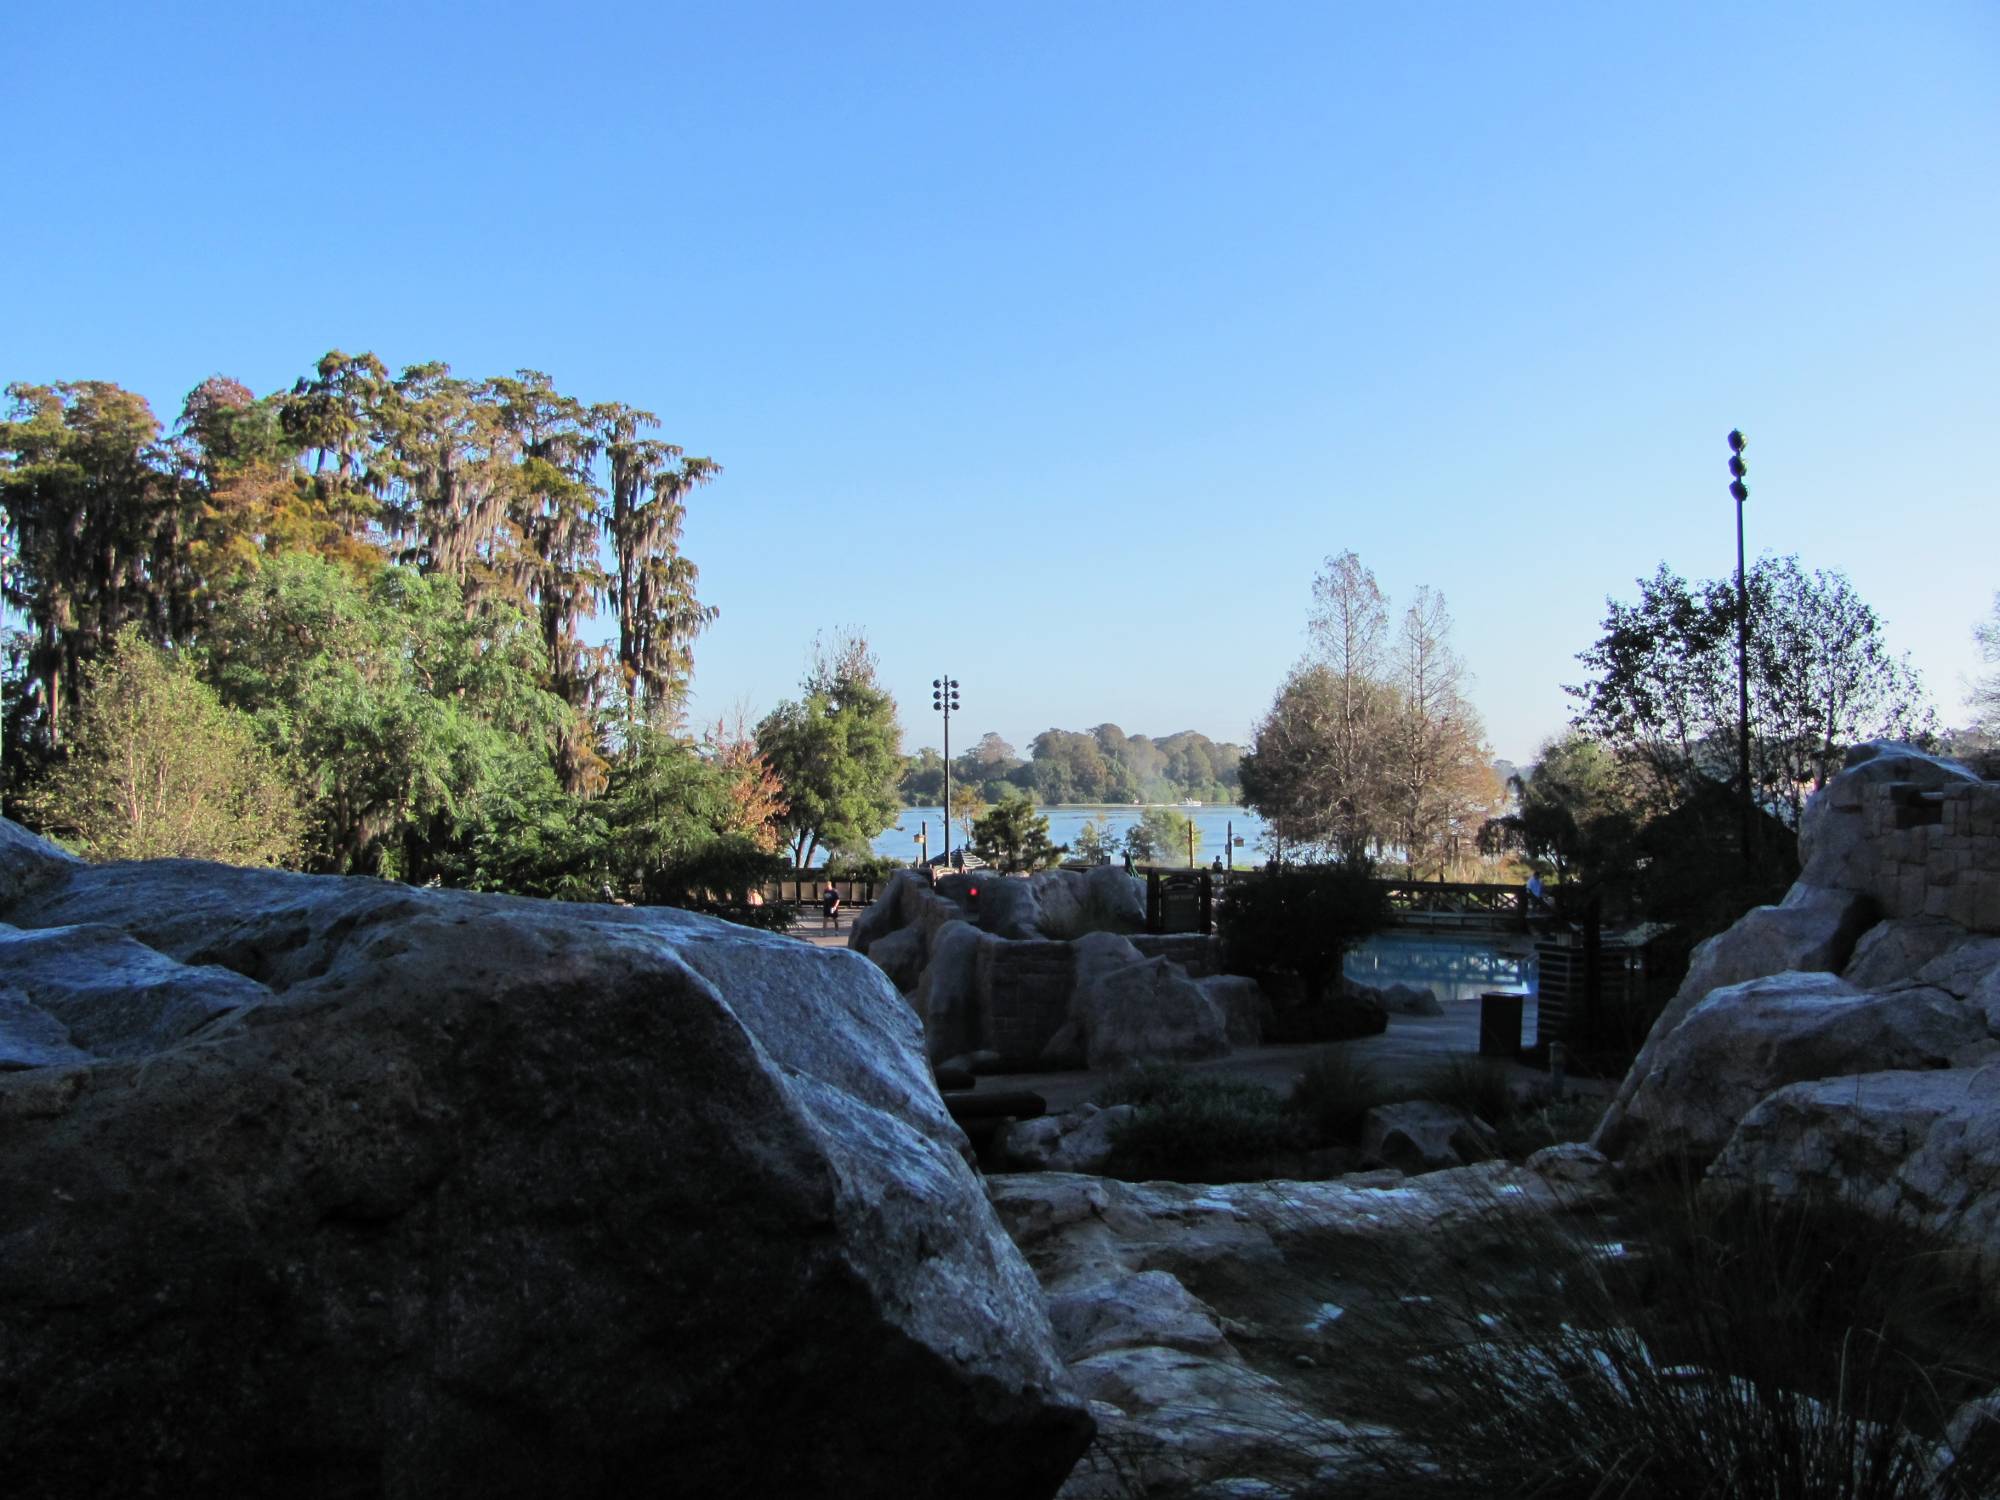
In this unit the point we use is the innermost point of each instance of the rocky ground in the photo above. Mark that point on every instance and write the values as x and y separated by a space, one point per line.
1227 1337
398 1191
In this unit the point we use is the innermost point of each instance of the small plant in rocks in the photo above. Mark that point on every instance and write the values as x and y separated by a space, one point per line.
1702 1348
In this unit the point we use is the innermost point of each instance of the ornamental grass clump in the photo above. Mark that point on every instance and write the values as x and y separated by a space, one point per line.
1332 1096
1190 1127
1704 1348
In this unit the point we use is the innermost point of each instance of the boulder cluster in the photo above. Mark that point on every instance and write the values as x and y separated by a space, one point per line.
1847 1040
1053 971
333 1187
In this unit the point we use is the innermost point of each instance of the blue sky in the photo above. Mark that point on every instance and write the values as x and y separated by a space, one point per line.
1056 345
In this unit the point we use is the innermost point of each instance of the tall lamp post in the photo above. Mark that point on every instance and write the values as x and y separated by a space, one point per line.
944 698
1740 492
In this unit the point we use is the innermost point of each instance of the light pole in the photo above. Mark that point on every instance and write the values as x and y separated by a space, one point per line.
944 698
1740 492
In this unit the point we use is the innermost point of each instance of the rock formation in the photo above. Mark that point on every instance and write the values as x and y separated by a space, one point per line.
1185 1396
1053 972
332 1187
1848 1039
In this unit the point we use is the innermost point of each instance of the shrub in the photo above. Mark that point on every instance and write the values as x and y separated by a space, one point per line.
1471 1084
1717 1347
717 878
1332 1095
1300 920
1195 1128
849 864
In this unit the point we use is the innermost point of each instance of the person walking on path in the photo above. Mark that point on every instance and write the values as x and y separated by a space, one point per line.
829 907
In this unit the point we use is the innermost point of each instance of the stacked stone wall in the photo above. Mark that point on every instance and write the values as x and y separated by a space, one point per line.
1937 850
1024 989
1198 953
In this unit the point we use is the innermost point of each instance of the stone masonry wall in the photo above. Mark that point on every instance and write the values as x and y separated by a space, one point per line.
1024 988
1938 851
1198 953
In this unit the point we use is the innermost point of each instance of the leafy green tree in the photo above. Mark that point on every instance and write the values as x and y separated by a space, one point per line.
1663 693
1013 836
1313 792
407 716
1163 835
653 587
922 783
967 808
96 516
1578 811
1096 841
664 810
159 768
837 752
1301 920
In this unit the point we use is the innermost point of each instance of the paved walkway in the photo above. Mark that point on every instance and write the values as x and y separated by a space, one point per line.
1411 1045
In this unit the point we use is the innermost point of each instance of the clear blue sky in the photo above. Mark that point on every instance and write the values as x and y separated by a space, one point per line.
1056 345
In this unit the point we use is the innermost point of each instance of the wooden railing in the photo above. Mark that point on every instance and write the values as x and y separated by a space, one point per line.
1452 904
805 890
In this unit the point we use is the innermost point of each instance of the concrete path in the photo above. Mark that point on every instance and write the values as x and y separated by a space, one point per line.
1411 1046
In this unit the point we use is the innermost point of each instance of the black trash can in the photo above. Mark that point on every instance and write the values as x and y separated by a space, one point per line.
1500 1025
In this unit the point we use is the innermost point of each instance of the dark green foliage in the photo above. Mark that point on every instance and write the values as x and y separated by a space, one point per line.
837 752
847 864
1692 1350
415 726
1300 920
1193 1127
1663 685
1332 1094
391 577
717 877
1014 837
158 768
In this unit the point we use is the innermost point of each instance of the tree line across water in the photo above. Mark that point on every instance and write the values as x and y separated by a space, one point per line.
348 627
1067 766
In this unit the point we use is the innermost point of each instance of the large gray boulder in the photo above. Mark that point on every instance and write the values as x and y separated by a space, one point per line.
1181 1411
992 962
1128 1009
1746 1041
113 997
1072 903
1897 950
1923 1147
29 863
999 904
1246 1009
1421 1136
1813 930
30 1037
459 1194
1837 846
1078 1140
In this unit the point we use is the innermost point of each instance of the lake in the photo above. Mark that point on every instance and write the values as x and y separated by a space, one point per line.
1212 826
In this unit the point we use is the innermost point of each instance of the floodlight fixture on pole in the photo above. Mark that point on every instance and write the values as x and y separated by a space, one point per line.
944 698
1740 492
